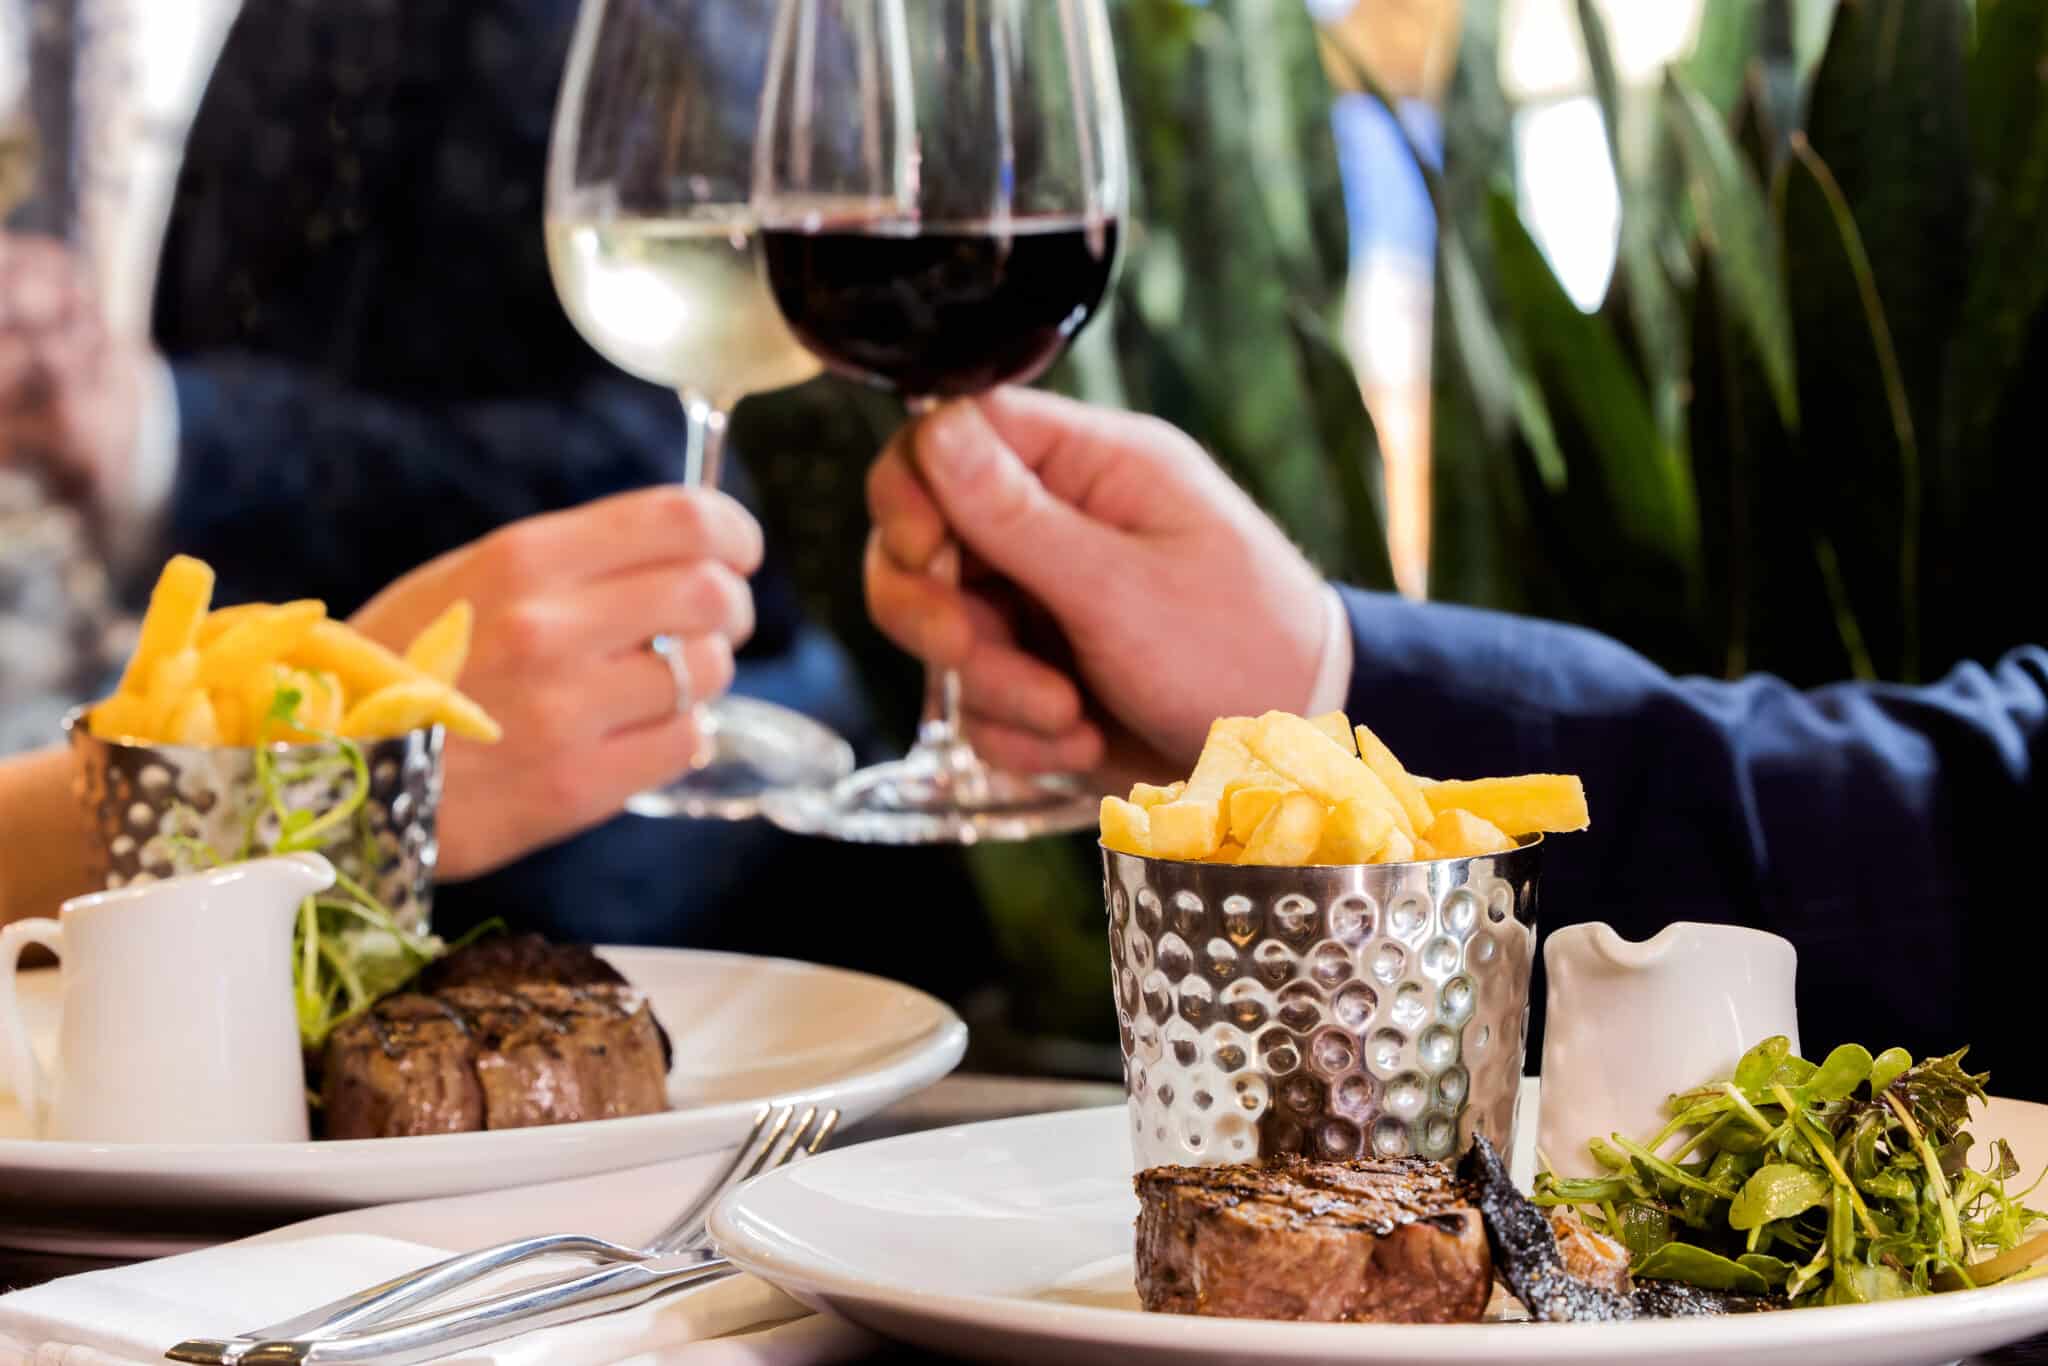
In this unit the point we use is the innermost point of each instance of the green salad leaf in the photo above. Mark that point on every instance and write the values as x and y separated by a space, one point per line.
1839 1182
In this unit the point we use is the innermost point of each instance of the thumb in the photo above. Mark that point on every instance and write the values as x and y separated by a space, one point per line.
995 504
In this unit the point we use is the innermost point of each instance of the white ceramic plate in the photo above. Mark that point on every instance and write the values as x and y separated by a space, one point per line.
745 1030
1011 1240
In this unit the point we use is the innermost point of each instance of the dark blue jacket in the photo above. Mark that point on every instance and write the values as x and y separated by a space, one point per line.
1884 830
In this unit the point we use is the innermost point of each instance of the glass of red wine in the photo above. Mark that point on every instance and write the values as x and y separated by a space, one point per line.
938 186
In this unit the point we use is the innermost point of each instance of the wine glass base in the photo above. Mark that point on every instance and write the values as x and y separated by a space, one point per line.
920 799
756 748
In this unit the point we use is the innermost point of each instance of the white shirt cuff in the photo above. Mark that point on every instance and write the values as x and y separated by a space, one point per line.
1333 667
133 508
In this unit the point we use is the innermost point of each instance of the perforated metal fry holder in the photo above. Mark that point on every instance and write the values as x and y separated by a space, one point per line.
1336 1011
149 803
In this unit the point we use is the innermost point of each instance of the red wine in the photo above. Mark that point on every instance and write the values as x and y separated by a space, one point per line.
939 310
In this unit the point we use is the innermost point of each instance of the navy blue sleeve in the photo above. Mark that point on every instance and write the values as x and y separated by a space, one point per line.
1881 828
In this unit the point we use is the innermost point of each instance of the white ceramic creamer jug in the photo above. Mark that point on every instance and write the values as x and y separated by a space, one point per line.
177 1022
1627 1024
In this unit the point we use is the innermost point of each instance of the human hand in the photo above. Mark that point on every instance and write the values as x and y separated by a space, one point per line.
70 392
1179 600
565 605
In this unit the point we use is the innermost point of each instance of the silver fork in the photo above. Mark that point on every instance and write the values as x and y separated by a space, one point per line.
684 1234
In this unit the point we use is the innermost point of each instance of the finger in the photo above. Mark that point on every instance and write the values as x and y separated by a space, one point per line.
995 505
1001 683
625 531
1124 469
619 692
909 522
1021 751
622 612
924 617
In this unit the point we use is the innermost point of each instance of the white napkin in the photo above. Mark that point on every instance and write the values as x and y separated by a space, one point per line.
129 1316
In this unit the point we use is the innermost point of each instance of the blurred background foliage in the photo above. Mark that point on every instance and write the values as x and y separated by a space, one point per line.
1799 433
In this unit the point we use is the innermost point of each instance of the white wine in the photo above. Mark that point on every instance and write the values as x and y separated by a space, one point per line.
17 164
678 301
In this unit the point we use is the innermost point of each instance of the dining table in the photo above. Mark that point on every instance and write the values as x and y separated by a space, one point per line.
963 1098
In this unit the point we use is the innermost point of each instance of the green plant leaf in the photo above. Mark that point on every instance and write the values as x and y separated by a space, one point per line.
1735 226
1887 1067
1755 1069
1840 1073
1777 1191
1720 53
1350 449
1646 293
1640 479
2008 272
1775 1270
1697 1266
1876 221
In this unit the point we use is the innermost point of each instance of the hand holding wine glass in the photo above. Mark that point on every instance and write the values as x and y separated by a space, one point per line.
939 187
651 242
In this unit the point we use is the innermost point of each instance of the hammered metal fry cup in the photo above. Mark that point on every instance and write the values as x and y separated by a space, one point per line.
146 802
1374 1010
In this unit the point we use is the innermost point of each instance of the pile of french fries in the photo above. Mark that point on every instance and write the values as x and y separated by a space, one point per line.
1290 791
201 677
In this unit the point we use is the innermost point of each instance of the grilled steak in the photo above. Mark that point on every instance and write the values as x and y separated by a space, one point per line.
1381 1242
510 960
480 1057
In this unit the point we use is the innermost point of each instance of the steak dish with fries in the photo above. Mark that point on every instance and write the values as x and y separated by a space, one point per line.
501 1035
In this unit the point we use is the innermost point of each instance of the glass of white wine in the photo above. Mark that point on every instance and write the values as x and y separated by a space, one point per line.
651 243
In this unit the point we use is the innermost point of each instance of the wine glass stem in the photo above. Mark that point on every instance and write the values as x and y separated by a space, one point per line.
704 458
940 736
703 463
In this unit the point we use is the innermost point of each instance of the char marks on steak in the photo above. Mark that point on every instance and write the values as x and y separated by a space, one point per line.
477 1052
1371 1241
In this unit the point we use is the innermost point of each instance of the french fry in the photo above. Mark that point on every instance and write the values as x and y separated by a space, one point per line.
120 717
442 648
232 716
1425 851
1460 834
322 703
255 640
1250 803
1148 796
170 683
415 702
193 722
1191 826
366 668
217 622
1311 760
1354 832
362 665
1406 790
171 625
394 710
1518 806
1230 851
1125 827
1398 849
1289 833
1337 726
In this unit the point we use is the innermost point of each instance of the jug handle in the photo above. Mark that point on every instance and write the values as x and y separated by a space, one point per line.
24 1073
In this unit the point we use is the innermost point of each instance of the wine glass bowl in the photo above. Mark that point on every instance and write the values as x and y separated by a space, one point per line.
939 186
652 248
